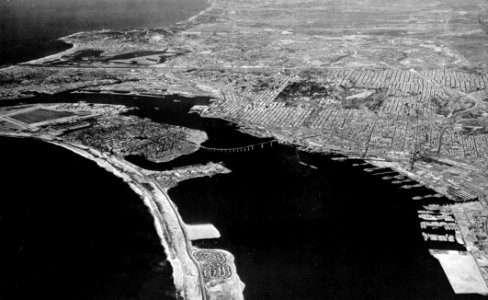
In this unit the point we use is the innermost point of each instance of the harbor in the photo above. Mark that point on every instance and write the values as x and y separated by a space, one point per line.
300 205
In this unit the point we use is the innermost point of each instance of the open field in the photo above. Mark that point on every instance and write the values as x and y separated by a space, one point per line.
40 115
404 83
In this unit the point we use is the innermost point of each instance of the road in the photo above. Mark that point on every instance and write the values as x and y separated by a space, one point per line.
166 215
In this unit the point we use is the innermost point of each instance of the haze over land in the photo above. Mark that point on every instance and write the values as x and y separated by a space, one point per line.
399 84
29 28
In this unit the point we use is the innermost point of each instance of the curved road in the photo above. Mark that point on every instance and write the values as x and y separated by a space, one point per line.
130 170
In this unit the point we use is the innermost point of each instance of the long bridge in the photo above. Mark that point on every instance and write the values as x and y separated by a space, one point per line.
240 149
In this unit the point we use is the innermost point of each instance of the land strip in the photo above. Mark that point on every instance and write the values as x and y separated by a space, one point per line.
196 274
403 85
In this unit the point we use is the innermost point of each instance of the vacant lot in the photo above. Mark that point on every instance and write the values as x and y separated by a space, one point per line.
40 115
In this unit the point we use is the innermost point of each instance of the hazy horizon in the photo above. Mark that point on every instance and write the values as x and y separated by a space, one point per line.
28 26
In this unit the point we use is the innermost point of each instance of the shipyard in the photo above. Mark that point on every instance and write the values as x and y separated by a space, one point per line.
393 93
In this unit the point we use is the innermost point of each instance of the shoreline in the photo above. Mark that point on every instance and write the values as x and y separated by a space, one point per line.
181 269
177 265
75 46
284 135
172 230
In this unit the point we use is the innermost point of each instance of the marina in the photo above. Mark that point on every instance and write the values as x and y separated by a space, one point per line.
320 228
300 202
221 149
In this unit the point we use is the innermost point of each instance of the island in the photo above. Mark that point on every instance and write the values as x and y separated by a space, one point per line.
102 134
403 86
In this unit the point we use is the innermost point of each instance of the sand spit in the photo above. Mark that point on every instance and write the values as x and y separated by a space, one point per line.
197 273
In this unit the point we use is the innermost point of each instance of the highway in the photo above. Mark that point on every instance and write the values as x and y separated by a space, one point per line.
136 177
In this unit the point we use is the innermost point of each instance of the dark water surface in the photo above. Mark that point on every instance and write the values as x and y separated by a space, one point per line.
300 233
71 230
29 29
297 232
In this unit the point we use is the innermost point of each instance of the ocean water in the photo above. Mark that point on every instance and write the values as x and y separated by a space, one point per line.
29 29
71 230
301 226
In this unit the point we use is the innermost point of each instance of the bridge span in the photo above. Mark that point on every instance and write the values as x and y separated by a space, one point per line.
240 149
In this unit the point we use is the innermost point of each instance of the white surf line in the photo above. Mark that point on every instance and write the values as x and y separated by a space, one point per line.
187 275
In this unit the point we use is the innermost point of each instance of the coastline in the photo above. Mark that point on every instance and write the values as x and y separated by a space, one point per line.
75 46
211 4
167 223
284 135
173 231
187 269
